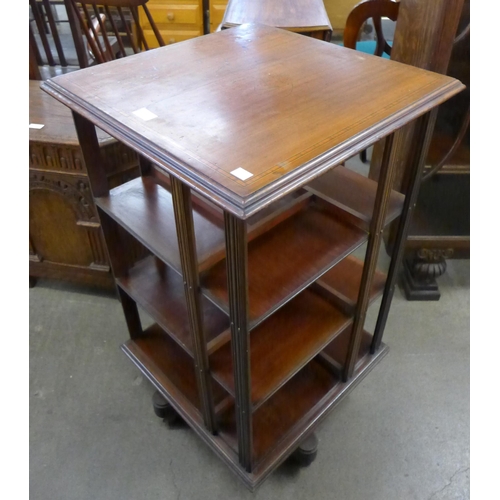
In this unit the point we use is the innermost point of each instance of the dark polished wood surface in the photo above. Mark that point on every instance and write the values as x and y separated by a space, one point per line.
260 87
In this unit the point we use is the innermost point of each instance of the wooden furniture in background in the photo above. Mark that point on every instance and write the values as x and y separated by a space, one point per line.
307 17
362 12
217 8
66 241
177 20
56 42
259 304
337 11
116 28
435 35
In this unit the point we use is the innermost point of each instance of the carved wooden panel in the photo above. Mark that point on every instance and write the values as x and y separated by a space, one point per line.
54 157
64 226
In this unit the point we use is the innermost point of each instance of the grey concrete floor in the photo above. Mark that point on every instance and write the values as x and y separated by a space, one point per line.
403 433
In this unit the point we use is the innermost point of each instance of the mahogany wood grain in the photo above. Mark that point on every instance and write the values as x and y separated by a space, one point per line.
171 367
278 425
260 92
293 15
354 194
309 243
163 299
145 209
299 331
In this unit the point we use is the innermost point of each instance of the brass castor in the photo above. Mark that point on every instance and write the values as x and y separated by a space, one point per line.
306 453
163 409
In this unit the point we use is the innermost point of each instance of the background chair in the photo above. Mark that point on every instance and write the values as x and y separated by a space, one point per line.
360 14
116 28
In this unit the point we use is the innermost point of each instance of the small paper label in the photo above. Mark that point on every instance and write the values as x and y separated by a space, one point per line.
242 174
144 114
38 126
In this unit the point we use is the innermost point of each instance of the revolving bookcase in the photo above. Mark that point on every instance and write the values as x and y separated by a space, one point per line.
251 220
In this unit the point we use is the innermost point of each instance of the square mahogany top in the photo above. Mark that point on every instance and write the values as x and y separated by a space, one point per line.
281 106
293 15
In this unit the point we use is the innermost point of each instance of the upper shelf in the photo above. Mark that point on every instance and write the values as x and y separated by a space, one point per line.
145 209
249 114
284 261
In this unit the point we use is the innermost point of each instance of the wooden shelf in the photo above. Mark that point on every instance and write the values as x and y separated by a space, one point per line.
303 400
169 368
286 260
145 210
163 298
353 195
343 282
283 344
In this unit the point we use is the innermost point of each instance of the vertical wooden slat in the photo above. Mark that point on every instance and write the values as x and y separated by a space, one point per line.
91 28
140 33
109 51
370 265
95 49
181 198
41 31
55 33
127 29
236 262
424 129
76 33
153 25
115 30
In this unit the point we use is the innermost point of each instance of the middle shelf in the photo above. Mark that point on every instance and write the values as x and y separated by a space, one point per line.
284 261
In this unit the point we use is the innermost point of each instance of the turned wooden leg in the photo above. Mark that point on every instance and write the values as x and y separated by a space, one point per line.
163 409
420 272
307 451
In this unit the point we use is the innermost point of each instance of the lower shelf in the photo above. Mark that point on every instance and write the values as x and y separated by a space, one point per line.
283 344
284 419
170 369
278 425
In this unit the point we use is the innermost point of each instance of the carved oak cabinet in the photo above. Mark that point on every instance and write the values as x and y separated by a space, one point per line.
66 241
257 301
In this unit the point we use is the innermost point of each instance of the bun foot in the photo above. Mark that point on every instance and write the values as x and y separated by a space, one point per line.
163 409
307 451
